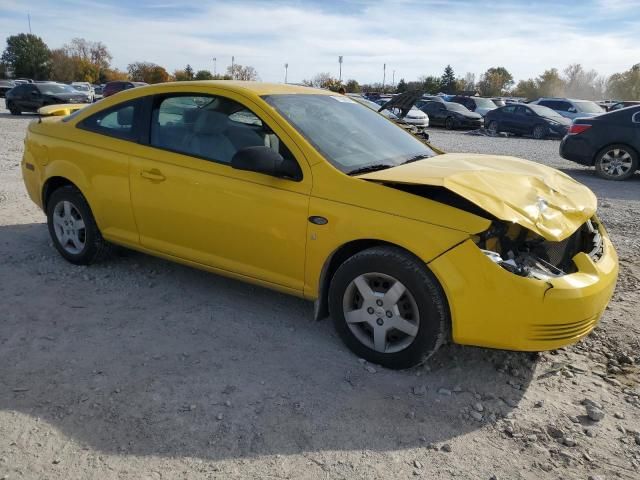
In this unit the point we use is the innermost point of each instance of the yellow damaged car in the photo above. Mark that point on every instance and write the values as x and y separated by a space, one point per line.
310 193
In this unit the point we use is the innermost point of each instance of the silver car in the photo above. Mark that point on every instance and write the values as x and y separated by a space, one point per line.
571 108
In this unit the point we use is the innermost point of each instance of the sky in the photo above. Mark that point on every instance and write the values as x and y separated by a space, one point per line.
412 37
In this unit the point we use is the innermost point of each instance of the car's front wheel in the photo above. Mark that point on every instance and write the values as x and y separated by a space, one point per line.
616 162
388 308
540 132
13 109
449 123
72 227
493 127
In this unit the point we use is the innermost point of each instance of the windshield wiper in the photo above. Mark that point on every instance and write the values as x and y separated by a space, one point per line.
415 158
369 168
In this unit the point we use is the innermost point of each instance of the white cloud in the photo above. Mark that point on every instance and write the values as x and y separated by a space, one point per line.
412 38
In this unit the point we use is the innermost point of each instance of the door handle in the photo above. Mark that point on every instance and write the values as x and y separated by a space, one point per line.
153 174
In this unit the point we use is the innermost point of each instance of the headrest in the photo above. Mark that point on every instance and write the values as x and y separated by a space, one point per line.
210 123
125 116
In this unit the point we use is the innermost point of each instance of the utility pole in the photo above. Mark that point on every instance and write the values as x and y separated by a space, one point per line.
384 75
286 69
214 66
393 79
340 64
233 73
29 18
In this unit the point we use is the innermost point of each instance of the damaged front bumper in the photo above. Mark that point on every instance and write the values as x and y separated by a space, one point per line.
507 301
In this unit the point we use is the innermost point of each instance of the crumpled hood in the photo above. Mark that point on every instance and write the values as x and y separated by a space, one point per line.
540 198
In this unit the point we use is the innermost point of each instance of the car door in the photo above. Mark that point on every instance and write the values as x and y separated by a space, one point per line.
31 98
191 204
439 113
521 120
506 120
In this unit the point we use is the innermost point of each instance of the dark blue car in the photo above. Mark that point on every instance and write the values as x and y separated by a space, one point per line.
525 119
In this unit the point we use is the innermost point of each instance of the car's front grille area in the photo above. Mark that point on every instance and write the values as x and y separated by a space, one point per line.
562 331
586 239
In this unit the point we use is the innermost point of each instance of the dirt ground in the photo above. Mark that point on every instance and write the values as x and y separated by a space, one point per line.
137 368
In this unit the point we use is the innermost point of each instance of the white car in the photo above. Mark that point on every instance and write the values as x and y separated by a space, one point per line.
416 117
86 88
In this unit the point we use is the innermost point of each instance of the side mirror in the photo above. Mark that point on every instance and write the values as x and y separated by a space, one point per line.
262 159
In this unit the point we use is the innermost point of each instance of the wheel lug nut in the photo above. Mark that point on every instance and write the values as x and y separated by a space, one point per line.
389 314
380 322
379 303
370 310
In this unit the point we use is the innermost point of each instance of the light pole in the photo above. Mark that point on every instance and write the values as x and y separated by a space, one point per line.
214 66
340 66
384 75
233 73
286 70
393 79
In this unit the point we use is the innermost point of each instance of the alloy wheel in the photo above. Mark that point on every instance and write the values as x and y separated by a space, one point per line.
69 227
616 162
381 312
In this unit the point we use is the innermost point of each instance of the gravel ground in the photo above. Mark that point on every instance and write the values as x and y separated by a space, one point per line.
137 368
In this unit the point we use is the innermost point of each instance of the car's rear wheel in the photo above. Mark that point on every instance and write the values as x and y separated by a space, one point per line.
388 308
616 162
540 132
493 127
449 123
72 227
13 109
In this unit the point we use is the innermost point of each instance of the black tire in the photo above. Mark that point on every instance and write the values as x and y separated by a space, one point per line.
602 169
540 132
434 319
94 246
493 127
13 109
450 123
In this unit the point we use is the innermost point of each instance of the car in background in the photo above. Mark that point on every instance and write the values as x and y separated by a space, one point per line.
619 105
475 104
373 106
84 87
29 97
527 119
429 98
499 102
570 108
609 142
117 86
5 86
451 115
414 116
97 92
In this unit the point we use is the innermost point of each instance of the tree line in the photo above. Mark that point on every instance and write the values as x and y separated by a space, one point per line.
28 56
80 60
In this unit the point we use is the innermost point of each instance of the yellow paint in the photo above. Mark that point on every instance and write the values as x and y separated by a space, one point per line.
60 110
255 228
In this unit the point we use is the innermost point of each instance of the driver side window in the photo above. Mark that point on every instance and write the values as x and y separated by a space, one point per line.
209 127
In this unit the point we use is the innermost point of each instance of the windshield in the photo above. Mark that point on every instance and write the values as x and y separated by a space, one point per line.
484 103
544 111
84 88
53 88
375 107
349 135
588 107
456 107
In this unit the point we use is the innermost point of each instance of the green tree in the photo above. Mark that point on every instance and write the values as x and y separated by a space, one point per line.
448 80
550 84
352 86
402 86
429 84
625 85
495 81
527 89
27 56
238 72
203 75
147 72
188 72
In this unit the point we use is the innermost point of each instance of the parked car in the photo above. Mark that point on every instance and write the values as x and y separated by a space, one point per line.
97 93
29 97
619 105
429 98
84 87
570 108
475 104
5 86
610 142
373 106
309 194
114 87
499 102
451 115
527 119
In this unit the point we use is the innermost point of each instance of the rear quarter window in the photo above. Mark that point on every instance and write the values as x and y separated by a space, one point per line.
118 121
